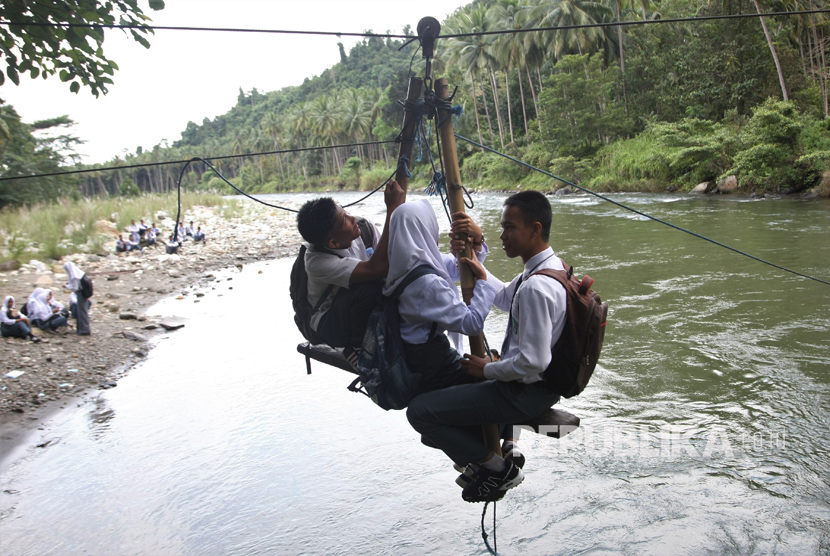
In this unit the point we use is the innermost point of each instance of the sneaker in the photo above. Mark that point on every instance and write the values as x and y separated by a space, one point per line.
510 451
490 486
35 339
467 474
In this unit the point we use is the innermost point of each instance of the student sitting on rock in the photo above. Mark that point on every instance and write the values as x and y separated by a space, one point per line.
189 231
172 246
199 235
149 237
123 245
45 312
13 324
135 233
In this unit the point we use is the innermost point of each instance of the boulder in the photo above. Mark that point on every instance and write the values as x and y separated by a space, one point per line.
130 335
9 265
44 281
107 228
701 188
728 184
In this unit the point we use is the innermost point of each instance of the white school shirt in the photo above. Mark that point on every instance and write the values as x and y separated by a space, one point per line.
429 299
538 320
323 269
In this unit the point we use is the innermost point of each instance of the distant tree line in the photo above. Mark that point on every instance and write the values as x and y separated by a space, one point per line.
639 107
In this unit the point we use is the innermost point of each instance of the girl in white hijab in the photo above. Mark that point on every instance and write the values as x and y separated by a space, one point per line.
12 323
75 275
43 313
431 303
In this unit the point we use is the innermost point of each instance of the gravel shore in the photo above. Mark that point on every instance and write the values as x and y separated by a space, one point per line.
63 367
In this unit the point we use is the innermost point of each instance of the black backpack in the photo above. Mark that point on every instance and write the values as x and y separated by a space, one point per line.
86 286
303 310
383 373
575 354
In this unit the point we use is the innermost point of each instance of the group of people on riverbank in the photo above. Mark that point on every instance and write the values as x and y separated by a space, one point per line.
43 311
141 235
347 274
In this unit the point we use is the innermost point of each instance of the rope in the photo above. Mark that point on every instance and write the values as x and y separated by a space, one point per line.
494 549
410 37
658 220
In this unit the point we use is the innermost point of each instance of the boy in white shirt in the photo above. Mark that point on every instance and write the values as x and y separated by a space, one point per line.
344 281
517 389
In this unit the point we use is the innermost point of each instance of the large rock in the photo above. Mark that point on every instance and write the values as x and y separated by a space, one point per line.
9 265
107 228
728 184
701 188
44 281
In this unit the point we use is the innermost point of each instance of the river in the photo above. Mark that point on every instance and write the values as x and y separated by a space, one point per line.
705 430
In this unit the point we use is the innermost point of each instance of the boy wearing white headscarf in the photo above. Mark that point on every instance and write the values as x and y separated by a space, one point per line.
430 304
73 284
13 324
344 281
516 389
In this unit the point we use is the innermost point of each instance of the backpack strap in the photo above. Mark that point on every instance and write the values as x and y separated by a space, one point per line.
414 274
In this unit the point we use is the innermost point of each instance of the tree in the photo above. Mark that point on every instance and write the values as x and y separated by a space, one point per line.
43 45
35 149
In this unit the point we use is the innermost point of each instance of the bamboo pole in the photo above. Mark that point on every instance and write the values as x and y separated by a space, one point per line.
408 130
455 195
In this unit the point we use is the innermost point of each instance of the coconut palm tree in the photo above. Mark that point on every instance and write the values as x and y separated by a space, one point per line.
272 128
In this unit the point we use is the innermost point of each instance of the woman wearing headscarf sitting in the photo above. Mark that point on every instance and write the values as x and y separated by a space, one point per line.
73 284
431 304
12 323
44 312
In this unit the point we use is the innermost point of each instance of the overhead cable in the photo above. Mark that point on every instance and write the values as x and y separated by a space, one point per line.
641 213
401 36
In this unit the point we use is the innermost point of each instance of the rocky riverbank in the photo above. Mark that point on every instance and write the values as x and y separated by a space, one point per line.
64 366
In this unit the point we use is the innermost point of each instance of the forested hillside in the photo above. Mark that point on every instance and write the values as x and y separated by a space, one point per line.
640 107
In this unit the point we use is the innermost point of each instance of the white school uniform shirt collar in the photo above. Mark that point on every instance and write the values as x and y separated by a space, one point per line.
413 241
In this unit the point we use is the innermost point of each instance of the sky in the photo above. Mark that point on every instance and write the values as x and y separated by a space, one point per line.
189 75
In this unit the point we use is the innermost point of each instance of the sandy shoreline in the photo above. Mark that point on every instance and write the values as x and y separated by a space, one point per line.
66 369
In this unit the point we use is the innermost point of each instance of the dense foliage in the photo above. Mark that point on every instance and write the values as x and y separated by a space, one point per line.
36 41
641 107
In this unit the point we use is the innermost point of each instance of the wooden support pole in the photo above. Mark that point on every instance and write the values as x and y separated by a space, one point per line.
455 195
408 130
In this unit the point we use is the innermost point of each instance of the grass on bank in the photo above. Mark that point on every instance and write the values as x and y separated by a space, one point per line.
52 230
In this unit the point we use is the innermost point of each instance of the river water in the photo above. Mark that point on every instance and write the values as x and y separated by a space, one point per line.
706 428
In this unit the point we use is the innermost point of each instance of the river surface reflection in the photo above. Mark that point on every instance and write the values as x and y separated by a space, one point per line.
705 430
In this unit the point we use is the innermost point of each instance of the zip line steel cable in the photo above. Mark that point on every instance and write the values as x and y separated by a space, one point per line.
411 37
225 157
650 217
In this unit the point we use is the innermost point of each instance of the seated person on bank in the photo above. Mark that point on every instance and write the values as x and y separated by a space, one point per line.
123 245
45 311
13 324
198 235
516 389
135 232
149 237
190 230
344 281
172 246
430 304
